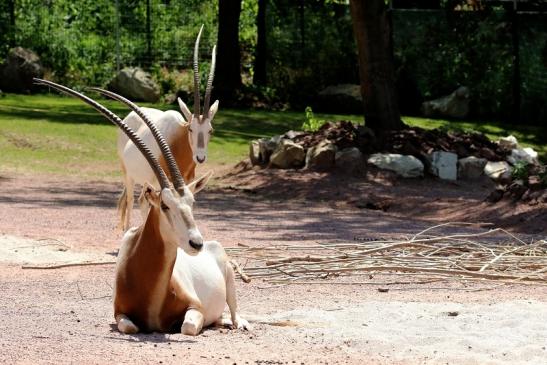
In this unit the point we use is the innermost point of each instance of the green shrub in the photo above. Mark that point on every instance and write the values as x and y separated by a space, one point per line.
520 170
311 124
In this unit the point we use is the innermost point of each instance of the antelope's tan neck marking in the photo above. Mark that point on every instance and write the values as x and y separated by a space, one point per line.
144 275
183 154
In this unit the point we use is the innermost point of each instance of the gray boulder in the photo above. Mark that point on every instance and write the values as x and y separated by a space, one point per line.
471 167
342 97
267 146
19 68
508 143
293 134
349 160
526 154
455 105
402 165
499 171
254 152
444 165
288 155
321 156
135 84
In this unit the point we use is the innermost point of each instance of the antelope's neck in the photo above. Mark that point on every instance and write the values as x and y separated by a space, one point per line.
179 144
153 245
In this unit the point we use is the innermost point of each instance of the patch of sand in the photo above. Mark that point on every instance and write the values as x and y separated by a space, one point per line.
508 332
24 251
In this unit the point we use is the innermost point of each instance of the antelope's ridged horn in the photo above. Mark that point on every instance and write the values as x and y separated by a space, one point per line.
154 164
178 180
196 76
210 83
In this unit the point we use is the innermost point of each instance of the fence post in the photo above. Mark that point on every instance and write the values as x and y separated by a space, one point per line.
117 36
515 110
148 34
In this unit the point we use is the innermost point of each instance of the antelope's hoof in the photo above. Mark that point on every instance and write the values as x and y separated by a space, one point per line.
189 329
241 324
127 327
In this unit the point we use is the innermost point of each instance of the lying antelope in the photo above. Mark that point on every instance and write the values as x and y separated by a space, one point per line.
167 278
188 137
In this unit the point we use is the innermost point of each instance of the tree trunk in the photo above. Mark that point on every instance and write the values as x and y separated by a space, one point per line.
228 70
372 33
148 35
259 76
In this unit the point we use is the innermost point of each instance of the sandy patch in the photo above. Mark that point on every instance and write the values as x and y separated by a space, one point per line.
23 251
508 332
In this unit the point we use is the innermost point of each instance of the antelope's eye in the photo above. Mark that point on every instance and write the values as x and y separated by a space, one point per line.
211 131
164 207
190 130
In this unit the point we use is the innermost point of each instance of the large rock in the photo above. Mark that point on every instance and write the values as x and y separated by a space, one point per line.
321 156
455 105
471 167
526 154
254 152
508 143
444 165
293 134
499 170
340 98
135 84
288 155
402 165
20 67
267 146
348 160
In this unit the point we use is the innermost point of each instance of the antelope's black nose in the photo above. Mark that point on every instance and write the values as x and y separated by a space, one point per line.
196 245
200 159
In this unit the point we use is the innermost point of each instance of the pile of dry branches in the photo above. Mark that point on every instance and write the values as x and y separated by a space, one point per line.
493 255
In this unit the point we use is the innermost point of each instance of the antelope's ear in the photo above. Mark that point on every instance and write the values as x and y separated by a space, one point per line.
151 195
198 184
185 111
213 110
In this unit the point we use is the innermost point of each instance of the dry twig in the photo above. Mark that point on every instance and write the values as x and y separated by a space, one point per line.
492 255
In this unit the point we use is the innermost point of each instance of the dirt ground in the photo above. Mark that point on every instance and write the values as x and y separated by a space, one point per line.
65 315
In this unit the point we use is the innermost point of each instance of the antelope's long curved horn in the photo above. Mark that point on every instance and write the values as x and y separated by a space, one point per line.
196 76
178 180
154 164
210 83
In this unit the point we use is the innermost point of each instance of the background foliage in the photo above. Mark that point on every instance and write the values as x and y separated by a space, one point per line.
310 45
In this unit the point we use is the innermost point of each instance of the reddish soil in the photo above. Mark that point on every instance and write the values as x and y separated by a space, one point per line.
65 315
427 200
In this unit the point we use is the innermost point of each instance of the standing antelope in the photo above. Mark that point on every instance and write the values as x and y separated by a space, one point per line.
167 278
188 137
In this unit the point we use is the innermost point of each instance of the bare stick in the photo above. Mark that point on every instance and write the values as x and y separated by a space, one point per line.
60 266
239 270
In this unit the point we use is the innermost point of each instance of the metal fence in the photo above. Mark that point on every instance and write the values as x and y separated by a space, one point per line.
499 52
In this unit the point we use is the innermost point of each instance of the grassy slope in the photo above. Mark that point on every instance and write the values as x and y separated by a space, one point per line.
52 134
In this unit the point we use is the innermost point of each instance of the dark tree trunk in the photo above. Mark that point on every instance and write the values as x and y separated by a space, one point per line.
148 34
228 71
372 33
11 27
516 80
259 76
11 11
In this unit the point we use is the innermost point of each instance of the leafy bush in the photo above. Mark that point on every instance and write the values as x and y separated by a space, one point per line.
520 170
311 124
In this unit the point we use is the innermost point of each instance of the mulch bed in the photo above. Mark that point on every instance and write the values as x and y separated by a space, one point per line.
420 142
411 141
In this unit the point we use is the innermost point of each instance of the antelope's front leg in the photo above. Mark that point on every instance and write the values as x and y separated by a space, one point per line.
193 323
125 325
237 321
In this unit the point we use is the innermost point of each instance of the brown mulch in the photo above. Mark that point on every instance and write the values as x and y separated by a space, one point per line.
343 134
411 141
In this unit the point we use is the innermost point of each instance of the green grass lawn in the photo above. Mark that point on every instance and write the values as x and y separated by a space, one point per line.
62 135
